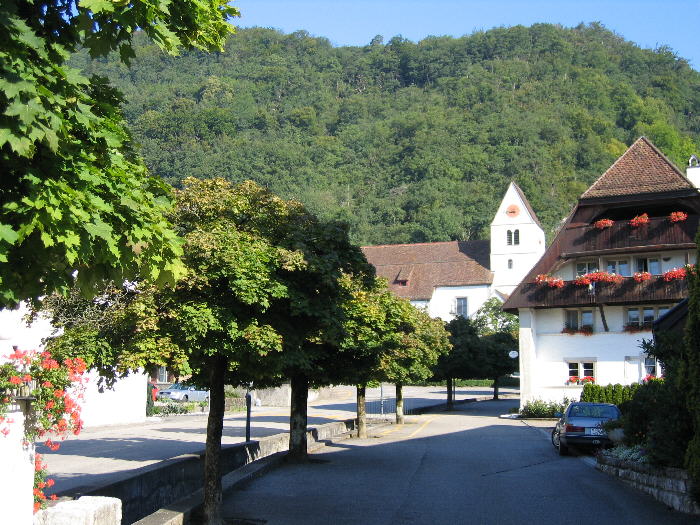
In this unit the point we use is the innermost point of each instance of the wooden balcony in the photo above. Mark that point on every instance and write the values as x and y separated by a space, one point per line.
660 233
656 290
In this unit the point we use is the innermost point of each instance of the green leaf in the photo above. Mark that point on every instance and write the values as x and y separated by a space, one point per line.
7 234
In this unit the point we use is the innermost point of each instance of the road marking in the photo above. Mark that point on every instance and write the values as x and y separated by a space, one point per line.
393 429
425 423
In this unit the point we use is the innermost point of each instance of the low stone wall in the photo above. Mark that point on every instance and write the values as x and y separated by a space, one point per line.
152 487
88 510
671 486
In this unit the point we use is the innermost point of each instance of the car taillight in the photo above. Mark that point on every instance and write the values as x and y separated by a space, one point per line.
572 428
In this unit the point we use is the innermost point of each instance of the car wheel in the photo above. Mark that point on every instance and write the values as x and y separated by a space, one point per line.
185 398
556 441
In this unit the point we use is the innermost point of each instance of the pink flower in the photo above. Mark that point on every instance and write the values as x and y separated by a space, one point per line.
15 380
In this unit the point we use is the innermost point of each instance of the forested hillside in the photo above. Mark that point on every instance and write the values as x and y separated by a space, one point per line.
409 142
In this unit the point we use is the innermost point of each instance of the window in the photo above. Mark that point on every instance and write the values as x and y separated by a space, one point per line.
581 369
516 237
644 316
461 307
582 268
649 264
618 266
509 237
650 366
162 374
578 320
510 264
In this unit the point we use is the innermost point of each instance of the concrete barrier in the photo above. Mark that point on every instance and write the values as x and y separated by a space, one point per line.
87 510
155 486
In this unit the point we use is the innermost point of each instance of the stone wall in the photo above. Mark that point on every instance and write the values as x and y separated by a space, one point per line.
671 486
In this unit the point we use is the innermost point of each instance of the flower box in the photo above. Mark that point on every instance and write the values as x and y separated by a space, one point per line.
640 277
675 274
677 216
636 327
552 282
584 330
603 223
639 220
604 277
587 379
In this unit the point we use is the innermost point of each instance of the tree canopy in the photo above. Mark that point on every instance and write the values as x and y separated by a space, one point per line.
74 195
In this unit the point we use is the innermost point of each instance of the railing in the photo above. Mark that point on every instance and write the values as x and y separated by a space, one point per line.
656 290
659 231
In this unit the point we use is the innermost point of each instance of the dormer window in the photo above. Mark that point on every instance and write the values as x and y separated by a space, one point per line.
509 238
402 283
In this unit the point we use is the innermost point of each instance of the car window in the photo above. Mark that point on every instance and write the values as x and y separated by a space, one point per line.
597 411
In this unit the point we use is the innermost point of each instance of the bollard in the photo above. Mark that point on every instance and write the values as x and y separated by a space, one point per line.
247 417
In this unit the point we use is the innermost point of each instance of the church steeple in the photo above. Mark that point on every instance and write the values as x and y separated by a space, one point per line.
517 240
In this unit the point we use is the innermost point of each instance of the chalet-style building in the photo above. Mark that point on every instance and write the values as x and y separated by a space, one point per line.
454 278
615 266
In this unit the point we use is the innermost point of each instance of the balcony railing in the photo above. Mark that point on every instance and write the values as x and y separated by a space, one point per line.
655 290
659 231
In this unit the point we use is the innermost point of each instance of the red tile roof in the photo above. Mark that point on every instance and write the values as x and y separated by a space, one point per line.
425 266
641 169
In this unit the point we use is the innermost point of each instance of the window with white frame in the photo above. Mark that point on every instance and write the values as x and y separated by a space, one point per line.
584 267
648 264
618 266
510 264
643 316
162 374
581 369
516 237
509 238
578 319
651 367
461 307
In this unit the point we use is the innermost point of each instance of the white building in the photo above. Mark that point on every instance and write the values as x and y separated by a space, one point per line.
454 278
570 329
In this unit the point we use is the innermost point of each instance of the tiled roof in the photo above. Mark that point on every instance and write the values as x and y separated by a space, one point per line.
641 169
428 265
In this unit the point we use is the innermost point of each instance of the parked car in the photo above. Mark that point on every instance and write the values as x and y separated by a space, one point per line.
181 392
582 425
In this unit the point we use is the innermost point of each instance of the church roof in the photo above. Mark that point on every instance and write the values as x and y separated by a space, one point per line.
415 270
527 204
640 170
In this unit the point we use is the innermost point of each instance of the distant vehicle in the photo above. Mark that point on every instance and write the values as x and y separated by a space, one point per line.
582 425
181 392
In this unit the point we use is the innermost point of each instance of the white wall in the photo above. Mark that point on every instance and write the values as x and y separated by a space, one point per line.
126 404
676 259
617 355
17 474
443 301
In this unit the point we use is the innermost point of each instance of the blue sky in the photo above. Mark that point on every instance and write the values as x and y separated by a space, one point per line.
354 22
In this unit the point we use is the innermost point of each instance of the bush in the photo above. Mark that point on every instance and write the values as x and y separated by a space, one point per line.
544 409
172 407
616 394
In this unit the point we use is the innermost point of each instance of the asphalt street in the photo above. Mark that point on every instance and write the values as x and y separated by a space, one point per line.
106 454
462 467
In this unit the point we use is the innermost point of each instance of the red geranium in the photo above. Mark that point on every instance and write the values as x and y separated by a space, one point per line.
639 220
641 276
675 274
677 216
603 223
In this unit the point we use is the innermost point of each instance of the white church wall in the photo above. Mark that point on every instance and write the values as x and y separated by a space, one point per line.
442 304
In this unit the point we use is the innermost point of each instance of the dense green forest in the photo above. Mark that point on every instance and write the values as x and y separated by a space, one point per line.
409 142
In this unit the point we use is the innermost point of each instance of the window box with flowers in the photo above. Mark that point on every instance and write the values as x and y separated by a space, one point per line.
599 277
552 282
583 330
573 380
677 274
677 216
639 220
640 277
603 223
633 328
46 382
587 379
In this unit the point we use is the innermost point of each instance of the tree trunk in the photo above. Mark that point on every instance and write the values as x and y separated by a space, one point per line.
361 412
399 404
298 419
495 388
450 394
212 455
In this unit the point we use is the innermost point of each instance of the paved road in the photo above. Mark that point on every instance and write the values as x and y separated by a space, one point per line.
465 467
105 454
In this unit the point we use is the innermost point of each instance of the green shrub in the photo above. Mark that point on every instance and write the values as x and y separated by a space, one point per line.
616 394
172 407
544 409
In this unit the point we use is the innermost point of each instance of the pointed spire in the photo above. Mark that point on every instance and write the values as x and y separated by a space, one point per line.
641 169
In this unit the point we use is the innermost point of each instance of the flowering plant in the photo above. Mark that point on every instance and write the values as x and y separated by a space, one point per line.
587 379
603 223
604 277
582 280
552 282
677 216
639 220
641 276
675 274
573 380
55 411
583 330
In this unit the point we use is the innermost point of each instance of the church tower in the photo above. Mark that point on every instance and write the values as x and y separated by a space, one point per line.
517 241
